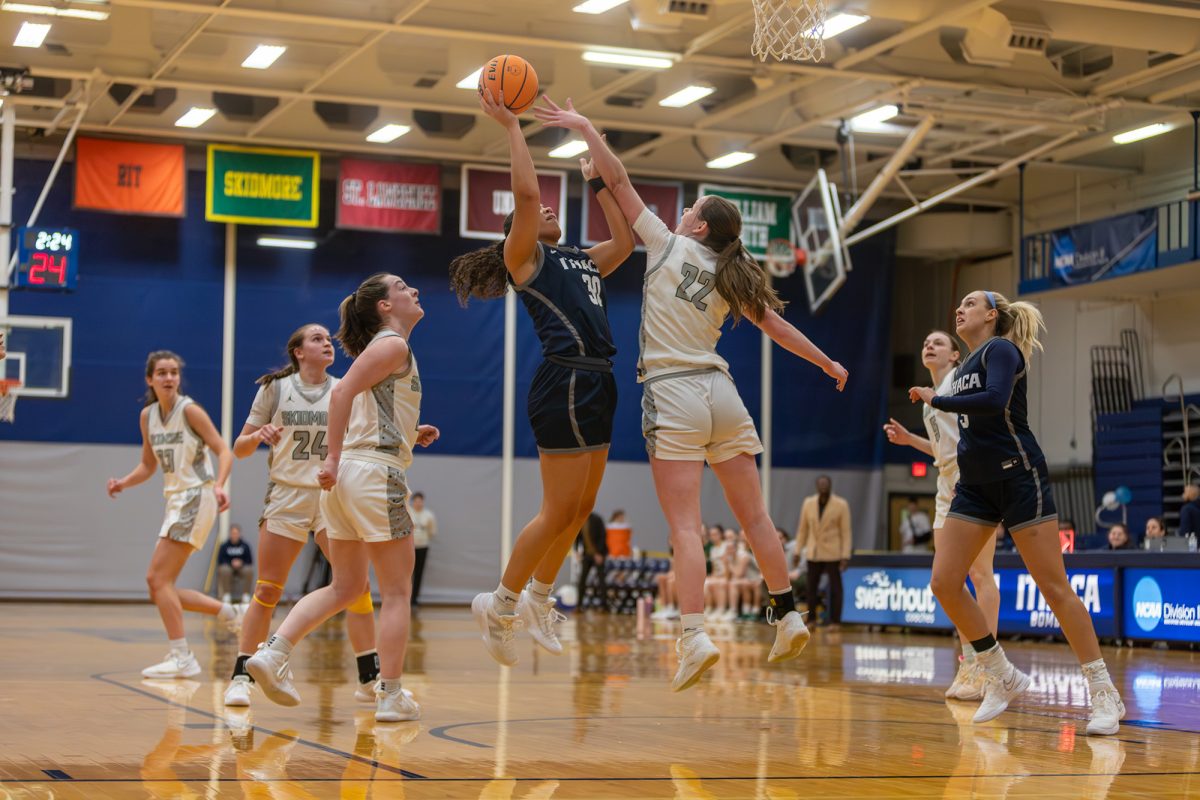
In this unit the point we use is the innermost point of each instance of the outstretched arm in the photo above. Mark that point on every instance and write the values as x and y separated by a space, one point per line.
789 337
521 244
607 163
607 256
1003 363
898 434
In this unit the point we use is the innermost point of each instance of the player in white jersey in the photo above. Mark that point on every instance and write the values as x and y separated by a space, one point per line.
289 415
940 354
373 426
176 436
695 278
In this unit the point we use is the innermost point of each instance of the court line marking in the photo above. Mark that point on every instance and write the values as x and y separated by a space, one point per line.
103 678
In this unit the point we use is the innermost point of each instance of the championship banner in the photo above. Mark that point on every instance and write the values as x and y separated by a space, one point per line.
386 196
129 177
663 198
766 215
1107 248
262 186
487 199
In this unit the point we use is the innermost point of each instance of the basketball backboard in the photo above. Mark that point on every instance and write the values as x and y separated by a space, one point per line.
817 223
39 355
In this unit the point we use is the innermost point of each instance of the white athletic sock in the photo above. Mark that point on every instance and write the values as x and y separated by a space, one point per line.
540 591
1097 676
180 646
227 612
279 645
389 685
506 600
692 624
994 660
968 652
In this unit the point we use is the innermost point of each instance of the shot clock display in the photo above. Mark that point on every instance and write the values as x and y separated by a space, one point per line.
47 258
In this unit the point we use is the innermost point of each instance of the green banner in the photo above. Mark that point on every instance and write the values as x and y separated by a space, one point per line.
262 186
766 215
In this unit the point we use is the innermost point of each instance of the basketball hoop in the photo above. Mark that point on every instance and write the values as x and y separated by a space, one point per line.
789 30
8 399
782 259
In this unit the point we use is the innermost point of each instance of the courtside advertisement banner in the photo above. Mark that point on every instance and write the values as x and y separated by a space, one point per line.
129 177
1162 604
663 198
387 196
487 199
891 596
262 186
1023 609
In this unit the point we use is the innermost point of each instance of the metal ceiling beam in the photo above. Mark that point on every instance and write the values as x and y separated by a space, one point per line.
1135 7
938 20
1177 91
897 160
1146 75
170 58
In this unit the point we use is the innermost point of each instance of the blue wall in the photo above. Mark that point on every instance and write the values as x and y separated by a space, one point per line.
148 283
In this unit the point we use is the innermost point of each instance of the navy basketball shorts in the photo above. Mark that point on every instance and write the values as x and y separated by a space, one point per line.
571 410
1020 501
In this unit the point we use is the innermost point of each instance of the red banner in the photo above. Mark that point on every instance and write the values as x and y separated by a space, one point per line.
663 198
129 177
387 196
487 199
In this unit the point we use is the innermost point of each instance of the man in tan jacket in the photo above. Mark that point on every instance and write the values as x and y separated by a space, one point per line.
823 534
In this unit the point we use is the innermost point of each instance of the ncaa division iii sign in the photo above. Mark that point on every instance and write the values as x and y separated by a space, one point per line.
262 186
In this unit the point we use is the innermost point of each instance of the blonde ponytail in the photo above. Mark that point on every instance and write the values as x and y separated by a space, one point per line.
1020 323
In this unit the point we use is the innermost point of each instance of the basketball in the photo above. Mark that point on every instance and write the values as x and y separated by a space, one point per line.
515 77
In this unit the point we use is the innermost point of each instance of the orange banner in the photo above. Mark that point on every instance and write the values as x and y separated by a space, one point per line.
129 177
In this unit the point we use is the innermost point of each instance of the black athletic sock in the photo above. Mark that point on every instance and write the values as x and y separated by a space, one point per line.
781 603
368 667
239 667
984 644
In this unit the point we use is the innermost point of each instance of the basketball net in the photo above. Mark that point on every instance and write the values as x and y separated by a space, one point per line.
8 399
789 30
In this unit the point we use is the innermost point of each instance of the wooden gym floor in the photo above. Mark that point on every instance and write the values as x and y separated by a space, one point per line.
859 715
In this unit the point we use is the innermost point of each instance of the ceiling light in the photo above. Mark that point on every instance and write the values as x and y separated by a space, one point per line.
195 117
287 241
471 81
263 56
840 23
644 59
52 11
32 34
730 160
598 6
874 118
569 149
687 96
1138 134
389 133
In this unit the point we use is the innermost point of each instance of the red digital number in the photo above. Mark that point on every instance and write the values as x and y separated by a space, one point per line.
45 263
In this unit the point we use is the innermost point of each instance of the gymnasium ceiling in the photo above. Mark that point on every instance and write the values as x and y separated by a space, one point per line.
1000 78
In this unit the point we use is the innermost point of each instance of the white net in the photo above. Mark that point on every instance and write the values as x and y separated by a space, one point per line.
8 400
789 30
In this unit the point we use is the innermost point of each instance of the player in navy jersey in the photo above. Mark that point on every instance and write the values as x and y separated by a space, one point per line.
573 396
1003 479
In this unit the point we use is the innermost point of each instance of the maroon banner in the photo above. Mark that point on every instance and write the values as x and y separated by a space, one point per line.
487 199
389 196
663 198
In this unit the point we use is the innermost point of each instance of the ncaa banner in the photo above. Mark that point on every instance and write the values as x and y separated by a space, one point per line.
663 198
262 186
1104 249
1023 609
129 177
487 198
891 596
388 196
1162 604
766 215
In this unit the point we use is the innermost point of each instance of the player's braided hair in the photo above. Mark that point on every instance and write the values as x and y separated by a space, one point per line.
296 340
359 313
740 279
151 362
481 273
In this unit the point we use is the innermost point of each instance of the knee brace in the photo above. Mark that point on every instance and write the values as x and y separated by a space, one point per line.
363 605
258 600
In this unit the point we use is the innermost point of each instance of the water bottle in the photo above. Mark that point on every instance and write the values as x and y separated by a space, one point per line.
1191 542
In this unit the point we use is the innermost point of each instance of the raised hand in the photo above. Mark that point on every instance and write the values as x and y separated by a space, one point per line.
588 169
496 109
551 115
897 433
921 394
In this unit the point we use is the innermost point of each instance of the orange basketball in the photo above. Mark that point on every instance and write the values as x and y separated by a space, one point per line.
515 77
